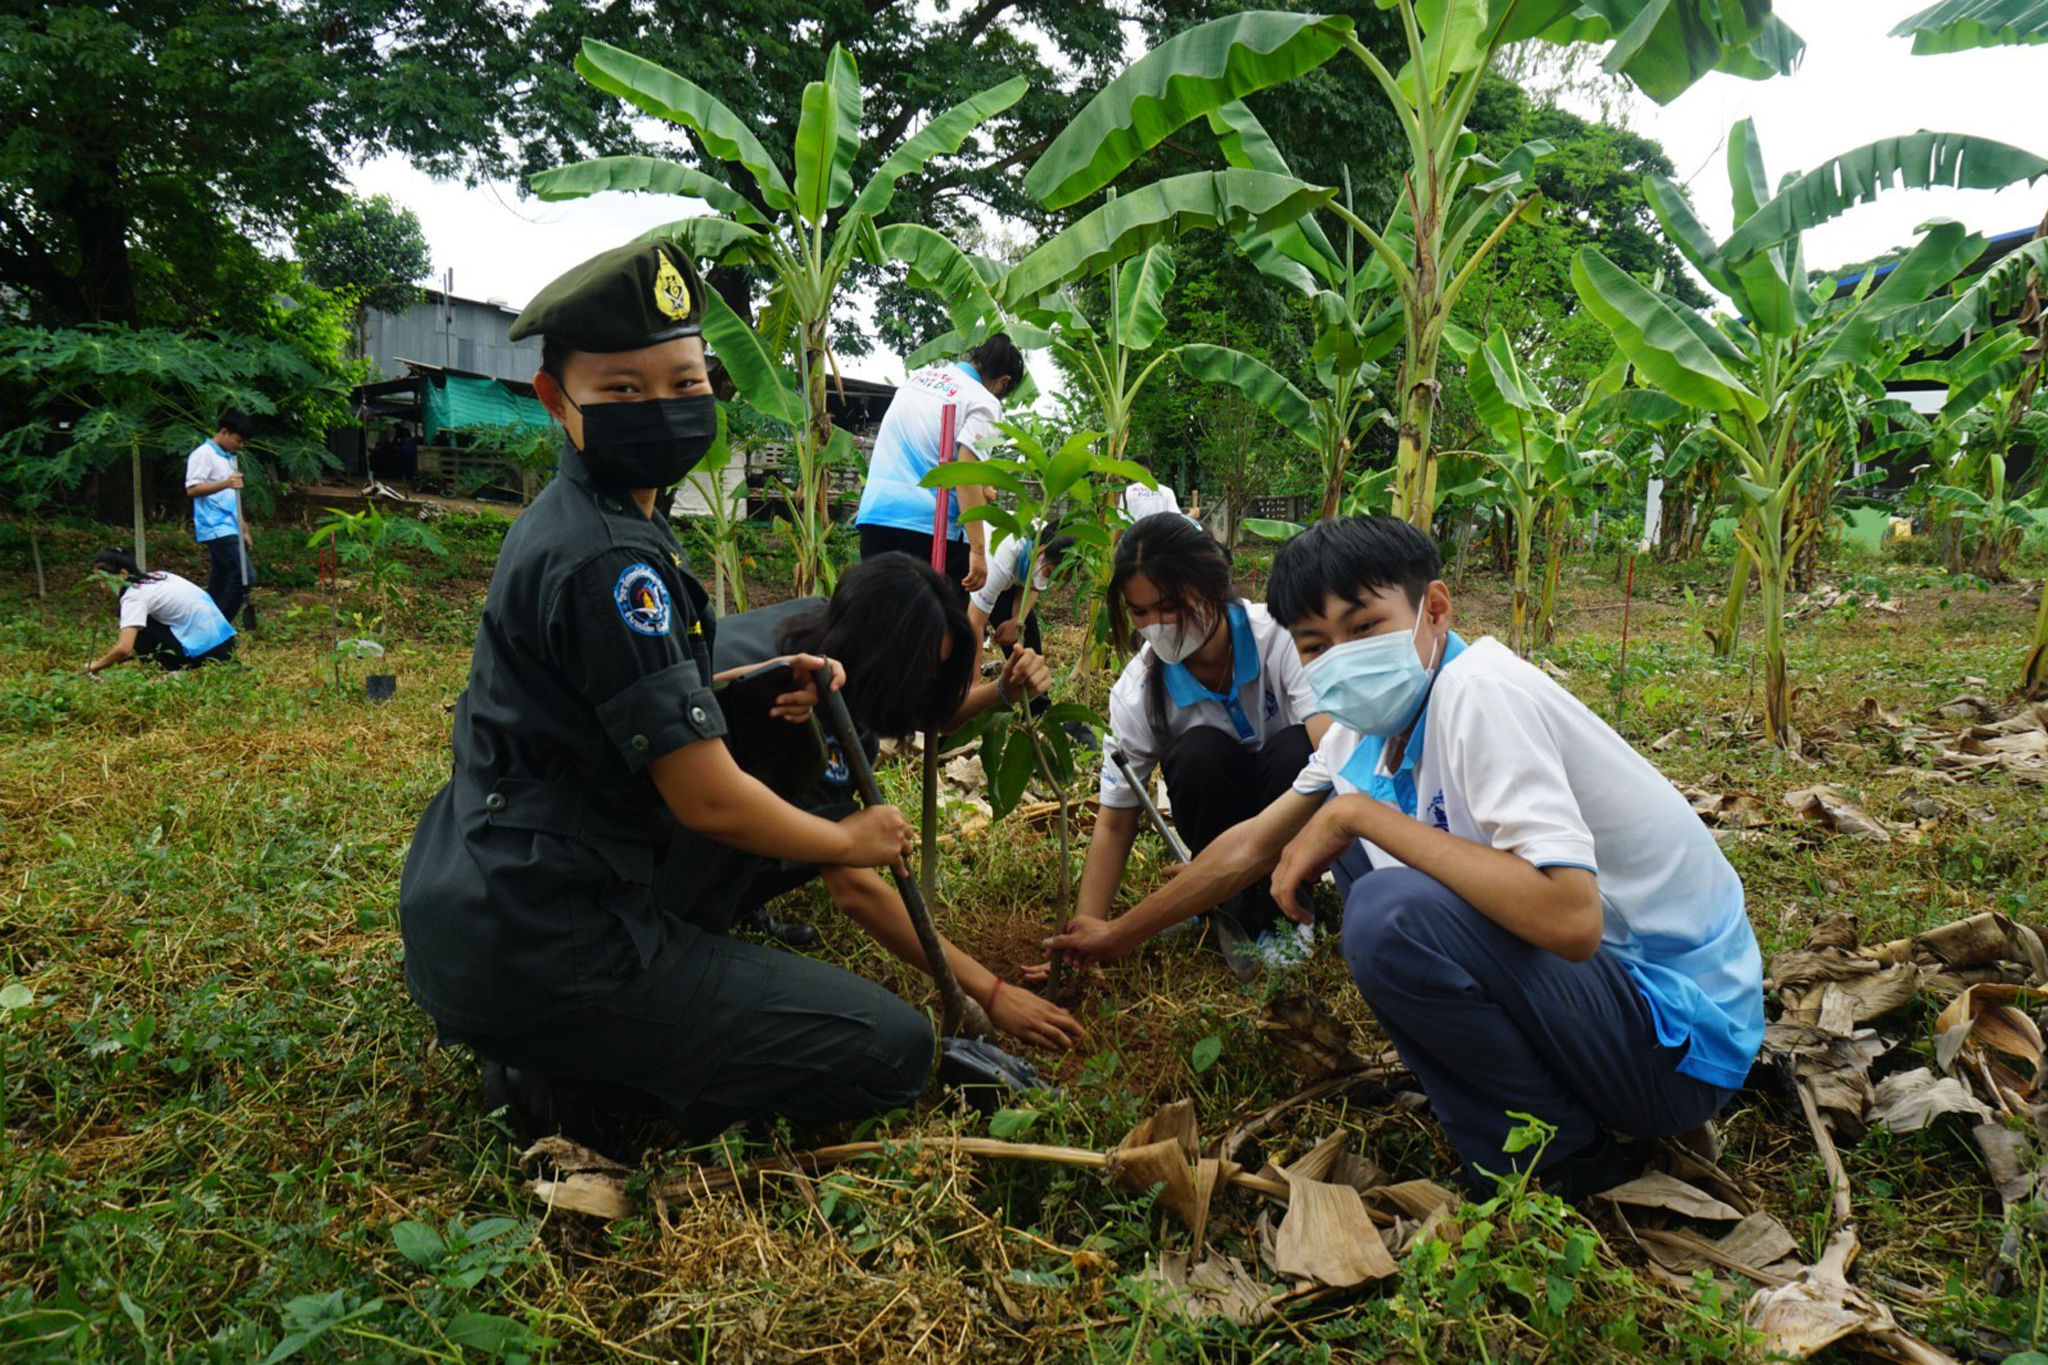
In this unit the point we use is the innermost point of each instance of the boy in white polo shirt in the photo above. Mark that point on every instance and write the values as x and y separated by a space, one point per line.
214 482
1545 926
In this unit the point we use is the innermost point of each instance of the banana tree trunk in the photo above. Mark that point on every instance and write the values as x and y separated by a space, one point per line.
1335 464
1553 566
1518 619
1723 639
816 491
2034 674
1777 684
1414 461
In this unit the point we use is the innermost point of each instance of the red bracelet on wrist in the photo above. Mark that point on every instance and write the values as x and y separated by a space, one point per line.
989 1005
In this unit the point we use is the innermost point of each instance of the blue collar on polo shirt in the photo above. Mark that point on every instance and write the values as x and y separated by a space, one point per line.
1397 789
967 368
1186 690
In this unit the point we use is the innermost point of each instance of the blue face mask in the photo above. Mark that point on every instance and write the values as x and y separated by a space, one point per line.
1374 686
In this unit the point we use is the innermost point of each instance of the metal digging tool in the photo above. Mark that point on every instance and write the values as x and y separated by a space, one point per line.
1231 939
1166 831
958 1013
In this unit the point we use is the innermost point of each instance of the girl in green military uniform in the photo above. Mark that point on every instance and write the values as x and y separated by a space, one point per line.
566 895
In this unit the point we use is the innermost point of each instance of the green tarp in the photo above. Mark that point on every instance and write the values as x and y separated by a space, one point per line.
459 401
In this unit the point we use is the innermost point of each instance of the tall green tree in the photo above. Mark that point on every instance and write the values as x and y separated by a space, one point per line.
372 251
150 142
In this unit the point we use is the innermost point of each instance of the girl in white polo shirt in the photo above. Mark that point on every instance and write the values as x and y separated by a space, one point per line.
1215 698
164 618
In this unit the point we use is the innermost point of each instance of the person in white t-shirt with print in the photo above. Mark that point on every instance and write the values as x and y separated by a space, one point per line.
1540 922
168 620
992 607
1215 698
214 483
1140 502
896 514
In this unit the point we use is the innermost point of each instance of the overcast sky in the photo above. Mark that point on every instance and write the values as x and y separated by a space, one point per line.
1855 85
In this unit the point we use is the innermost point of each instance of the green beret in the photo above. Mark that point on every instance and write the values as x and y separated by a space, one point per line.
635 295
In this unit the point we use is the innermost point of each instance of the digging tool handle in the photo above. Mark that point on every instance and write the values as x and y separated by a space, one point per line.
958 1014
1166 831
949 416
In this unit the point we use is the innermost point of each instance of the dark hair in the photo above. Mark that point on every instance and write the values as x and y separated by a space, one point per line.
1188 567
121 562
1054 550
237 421
886 622
997 357
1348 558
554 354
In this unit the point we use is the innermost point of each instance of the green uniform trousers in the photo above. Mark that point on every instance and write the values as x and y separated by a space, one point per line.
766 1032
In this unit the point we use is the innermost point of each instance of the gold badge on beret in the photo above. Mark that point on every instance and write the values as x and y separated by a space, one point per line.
671 291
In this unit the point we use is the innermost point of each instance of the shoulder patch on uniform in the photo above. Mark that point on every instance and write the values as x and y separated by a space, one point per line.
642 600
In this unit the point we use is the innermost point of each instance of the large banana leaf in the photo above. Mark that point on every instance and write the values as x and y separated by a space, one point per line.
1958 25
1159 212
643 175
1259 382
1941 254
1141 297
666 95
1298 254
828 138
763 383
1665 46
1917 161
1184 78
962 282
1507 400
1684 230
943 136
1994 293
717 240
1665 349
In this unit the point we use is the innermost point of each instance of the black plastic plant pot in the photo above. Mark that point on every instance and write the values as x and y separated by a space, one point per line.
380 686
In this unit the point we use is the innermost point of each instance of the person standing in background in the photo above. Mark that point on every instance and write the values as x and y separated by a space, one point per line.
213 481
895 512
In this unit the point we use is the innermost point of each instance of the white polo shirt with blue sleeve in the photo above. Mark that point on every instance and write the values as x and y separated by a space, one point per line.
216 514
1268 693
1505 757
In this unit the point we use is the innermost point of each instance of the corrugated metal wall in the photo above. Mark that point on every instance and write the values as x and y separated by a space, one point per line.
474 340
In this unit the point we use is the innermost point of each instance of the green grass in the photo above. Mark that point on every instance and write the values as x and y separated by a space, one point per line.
225 1134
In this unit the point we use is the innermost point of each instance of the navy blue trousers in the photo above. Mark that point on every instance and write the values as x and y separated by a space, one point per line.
1491 1025
224 581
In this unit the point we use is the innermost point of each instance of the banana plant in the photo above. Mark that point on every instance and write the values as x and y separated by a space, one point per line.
1540 470
805 229
1127 242
1755 373
1452 213
1989 412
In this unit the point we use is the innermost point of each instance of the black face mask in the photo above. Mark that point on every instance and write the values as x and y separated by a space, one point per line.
649 444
